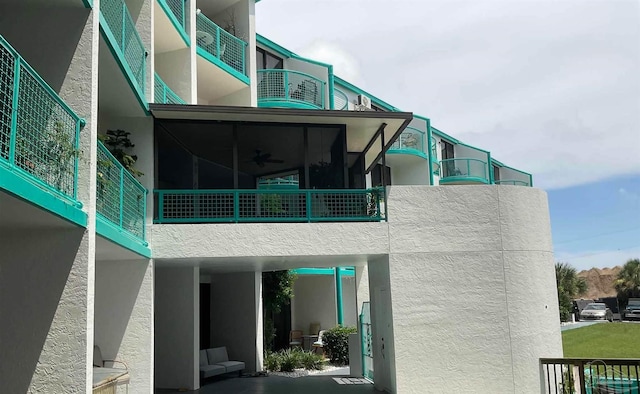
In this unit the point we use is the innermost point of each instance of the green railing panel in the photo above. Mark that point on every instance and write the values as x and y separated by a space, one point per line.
235 206
290 87
163 94
514 182
121 199
410 138
39 133
463 168
128 41
340 100
177 8
220 44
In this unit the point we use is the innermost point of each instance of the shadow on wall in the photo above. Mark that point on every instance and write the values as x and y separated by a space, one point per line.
34 271
118 285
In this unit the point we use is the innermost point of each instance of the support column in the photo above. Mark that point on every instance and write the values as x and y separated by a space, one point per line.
339 311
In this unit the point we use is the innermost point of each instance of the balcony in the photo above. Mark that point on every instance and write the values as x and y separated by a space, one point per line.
254 206
289 89
39 139
411 141
340 100
463 171
513 177
163 94
176 13
121 204
123 38
221 48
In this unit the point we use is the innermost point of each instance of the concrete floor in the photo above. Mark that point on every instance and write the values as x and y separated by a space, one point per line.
279 385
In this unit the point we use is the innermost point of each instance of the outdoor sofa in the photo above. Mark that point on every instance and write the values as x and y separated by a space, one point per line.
215 361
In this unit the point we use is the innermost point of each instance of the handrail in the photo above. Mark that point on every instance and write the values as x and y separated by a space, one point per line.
407 140
590 375
39 133
163 94
269 205
472 168
514 182
219 44
290 86
341 101
177 8
128 41
120 198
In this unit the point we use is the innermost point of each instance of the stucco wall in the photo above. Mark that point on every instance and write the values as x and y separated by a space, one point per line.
175 70
177 327
43 304
473 288
234 317
124 318
410 171
314 300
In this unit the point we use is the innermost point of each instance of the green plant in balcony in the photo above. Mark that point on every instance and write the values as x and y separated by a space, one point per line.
118 143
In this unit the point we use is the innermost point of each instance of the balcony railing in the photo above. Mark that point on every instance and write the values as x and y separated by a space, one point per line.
163 94
121 199
340 100
246 206
286 88
463 170
411 139
127 40
39 133
177 11
221 45
513 182
590 376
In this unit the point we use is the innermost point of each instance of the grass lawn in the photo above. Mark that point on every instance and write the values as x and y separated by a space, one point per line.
603 340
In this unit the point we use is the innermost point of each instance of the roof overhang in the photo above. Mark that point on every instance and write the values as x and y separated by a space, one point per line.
368 132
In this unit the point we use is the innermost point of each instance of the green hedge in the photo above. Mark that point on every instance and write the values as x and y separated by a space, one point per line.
336 344
289 359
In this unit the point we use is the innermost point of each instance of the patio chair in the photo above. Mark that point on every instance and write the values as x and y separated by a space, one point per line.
295 338
319 344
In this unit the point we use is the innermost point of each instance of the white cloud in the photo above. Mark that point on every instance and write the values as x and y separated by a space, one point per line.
344 64
551 87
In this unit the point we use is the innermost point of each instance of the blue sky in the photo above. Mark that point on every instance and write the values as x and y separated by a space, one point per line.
550 87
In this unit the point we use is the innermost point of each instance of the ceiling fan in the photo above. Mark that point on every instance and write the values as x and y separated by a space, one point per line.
262 158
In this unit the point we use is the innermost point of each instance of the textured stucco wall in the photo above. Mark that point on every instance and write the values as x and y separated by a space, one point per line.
177 327
124 318
314 300
473 288
414 171
43 304
174 68
234 318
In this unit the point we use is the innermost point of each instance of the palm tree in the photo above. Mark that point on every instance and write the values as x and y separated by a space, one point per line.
628 282
569 287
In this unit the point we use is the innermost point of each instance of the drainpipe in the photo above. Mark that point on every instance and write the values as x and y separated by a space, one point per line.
338 276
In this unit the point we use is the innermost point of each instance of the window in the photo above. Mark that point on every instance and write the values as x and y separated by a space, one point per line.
267 60
448 166
376 175
496 173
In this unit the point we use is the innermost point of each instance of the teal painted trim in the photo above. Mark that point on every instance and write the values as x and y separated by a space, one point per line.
432 159
217 62
496 162
408 151
445 136
109 231
346 271
491 180
174 21
19 185
88 3
122 63
378 102
514 182
332 88
476 148
273 103
464 178
339 311
280 50
530 180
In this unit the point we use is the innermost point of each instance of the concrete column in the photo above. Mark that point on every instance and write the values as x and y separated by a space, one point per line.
177 327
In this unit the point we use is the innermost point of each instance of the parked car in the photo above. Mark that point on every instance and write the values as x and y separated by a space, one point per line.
596 311
632 311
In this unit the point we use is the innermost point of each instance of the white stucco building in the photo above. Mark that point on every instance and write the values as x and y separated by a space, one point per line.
152 268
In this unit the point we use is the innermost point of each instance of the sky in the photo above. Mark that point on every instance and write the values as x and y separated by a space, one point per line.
551 87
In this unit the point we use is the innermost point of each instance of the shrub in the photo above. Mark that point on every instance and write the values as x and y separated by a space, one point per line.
310 360
336 344
287 360
290 360
272 361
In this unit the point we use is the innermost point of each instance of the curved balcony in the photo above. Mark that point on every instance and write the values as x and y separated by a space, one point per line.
512 182
163 94
411 142
340 100
220 47
289 89
463 171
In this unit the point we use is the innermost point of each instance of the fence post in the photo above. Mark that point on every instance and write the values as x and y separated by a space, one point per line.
160 205
236 206
218 42
124 28
121 196
14 111
307 195
583 385
286 85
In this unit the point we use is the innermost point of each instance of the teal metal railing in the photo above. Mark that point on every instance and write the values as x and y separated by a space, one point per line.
291 180
340 100
290 89
177 12
221 45
513 182
463 169
163 94
411 139
120 198
246 206
39 133
127 40
434 157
